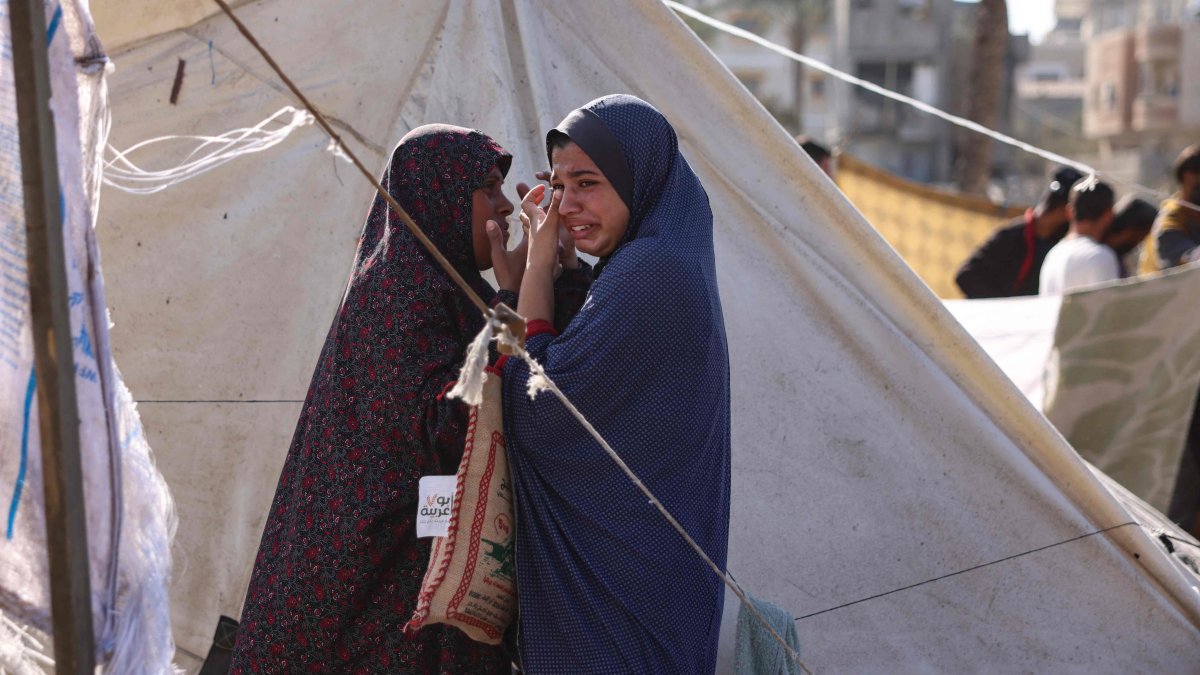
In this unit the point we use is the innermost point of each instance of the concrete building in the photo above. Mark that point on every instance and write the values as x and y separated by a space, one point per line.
1050 86
1142 100
771 77
903 46
920 48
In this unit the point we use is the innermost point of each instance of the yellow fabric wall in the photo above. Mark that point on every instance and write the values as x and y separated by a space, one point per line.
933 230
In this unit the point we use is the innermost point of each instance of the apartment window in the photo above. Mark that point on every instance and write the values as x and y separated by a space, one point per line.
1166 78
915 9
817 88
1158 78
1164 11
747 21
1108 96
894 75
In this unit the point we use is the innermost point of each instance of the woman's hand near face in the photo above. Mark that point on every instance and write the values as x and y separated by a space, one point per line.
523 188
508 266
537 286
543 228
568 257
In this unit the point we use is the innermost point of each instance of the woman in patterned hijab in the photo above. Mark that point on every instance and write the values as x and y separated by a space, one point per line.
339 566
606 585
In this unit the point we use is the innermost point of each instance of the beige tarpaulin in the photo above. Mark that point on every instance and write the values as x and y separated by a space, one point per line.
891 488
935 231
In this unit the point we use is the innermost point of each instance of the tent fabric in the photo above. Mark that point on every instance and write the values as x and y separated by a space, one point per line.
890 487
128 508
935 231
1115 367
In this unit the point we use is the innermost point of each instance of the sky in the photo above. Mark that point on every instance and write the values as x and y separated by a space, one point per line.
1035 17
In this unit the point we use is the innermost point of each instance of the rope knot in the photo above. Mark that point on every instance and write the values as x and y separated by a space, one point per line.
508 329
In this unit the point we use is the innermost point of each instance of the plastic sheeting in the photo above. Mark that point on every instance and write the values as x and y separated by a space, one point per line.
1115 368
891 488
128 508
1018 333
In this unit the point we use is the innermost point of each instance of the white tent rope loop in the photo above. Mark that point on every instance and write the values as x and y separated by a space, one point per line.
209 153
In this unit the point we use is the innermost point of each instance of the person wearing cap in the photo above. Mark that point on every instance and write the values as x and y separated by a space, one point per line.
1010 262
1175 239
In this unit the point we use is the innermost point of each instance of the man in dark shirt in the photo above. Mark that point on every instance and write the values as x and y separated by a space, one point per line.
819 153
1010 261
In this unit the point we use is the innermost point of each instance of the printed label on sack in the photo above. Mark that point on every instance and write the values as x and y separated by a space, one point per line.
433 510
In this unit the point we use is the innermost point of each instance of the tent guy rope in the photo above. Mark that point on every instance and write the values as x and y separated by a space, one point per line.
338 144
511 329
510 334
910 101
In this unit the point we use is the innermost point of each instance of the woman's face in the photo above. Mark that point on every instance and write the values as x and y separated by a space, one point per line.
590 208
488 203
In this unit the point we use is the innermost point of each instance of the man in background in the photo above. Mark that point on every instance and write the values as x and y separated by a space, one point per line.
1132 220
819 153
1080 259
1010 262
1175 239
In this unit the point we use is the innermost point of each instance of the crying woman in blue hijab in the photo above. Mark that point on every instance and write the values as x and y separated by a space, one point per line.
606 584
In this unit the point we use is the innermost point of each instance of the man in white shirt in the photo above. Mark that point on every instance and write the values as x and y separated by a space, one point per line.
1080 259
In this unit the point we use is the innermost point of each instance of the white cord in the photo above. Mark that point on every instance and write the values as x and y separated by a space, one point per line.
919 105
209 152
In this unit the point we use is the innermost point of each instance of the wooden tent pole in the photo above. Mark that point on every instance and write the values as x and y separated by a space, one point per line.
58 414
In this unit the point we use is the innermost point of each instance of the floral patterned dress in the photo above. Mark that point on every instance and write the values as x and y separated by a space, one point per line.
339 566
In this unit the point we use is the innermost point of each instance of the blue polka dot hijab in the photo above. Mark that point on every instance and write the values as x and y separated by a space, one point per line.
606 585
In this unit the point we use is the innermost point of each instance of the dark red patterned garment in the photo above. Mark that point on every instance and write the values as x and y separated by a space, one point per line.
339 566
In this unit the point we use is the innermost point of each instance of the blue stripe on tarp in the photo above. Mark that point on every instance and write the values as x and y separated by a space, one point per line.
16 498
54 21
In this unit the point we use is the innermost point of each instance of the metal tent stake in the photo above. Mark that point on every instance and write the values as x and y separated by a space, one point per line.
58 414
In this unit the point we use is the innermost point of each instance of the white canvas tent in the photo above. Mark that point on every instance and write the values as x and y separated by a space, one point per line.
892 489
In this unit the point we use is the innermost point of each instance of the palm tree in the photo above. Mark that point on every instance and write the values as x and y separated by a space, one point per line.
983 93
